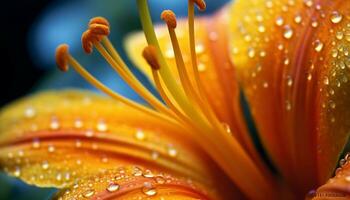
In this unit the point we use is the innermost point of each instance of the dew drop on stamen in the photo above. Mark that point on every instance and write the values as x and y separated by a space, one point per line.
112 187
336 17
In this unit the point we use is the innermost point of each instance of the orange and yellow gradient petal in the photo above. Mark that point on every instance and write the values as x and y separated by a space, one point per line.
292 59
54 138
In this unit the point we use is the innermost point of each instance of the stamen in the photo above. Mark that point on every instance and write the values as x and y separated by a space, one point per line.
62 53
170 18
99 20
64 60
99 29
150 55
200 4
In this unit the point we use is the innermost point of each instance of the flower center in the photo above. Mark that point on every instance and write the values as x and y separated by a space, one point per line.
186 106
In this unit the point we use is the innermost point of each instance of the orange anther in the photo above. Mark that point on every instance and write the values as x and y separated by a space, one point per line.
62 53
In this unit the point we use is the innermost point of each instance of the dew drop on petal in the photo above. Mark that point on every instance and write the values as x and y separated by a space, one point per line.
112 187
140 135
29 112
45 165
149 190
89 193
172 152
288 32
318 46
336 17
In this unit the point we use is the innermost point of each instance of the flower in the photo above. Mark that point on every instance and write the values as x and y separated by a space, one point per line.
291 59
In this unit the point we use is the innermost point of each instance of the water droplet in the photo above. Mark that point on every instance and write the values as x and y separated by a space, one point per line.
59 177
36 143
155 155
251 53
318 46
334 53
17 172
149 190
201 67
140 135
54 124
169 53
288 106
332 104
261 28
148 174
199 48
336 17
314 24
227 128
45 165
265 84
29 112
50 148
78 123
279 21
309 76
297 19
89 193
339 35
160 179
89 133
289 81
137 172
326 80
101 126
113 187
172 152
288 32
308 3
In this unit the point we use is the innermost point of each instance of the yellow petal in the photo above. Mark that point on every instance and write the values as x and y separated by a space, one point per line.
54 138
134 183
298 89
215 68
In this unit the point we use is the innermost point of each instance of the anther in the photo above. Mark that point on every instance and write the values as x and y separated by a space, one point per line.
169 17
150 55
99 20
99 29
87 40
200 4
62 53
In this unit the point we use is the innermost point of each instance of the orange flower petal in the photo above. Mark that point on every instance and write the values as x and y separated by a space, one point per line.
134 183
337 187
291 58
215 69
53 138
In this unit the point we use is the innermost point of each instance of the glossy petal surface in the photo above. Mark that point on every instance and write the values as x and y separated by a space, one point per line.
133 183
291 61
54 138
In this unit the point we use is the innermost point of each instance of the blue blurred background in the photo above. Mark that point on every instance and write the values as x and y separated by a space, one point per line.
33 29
